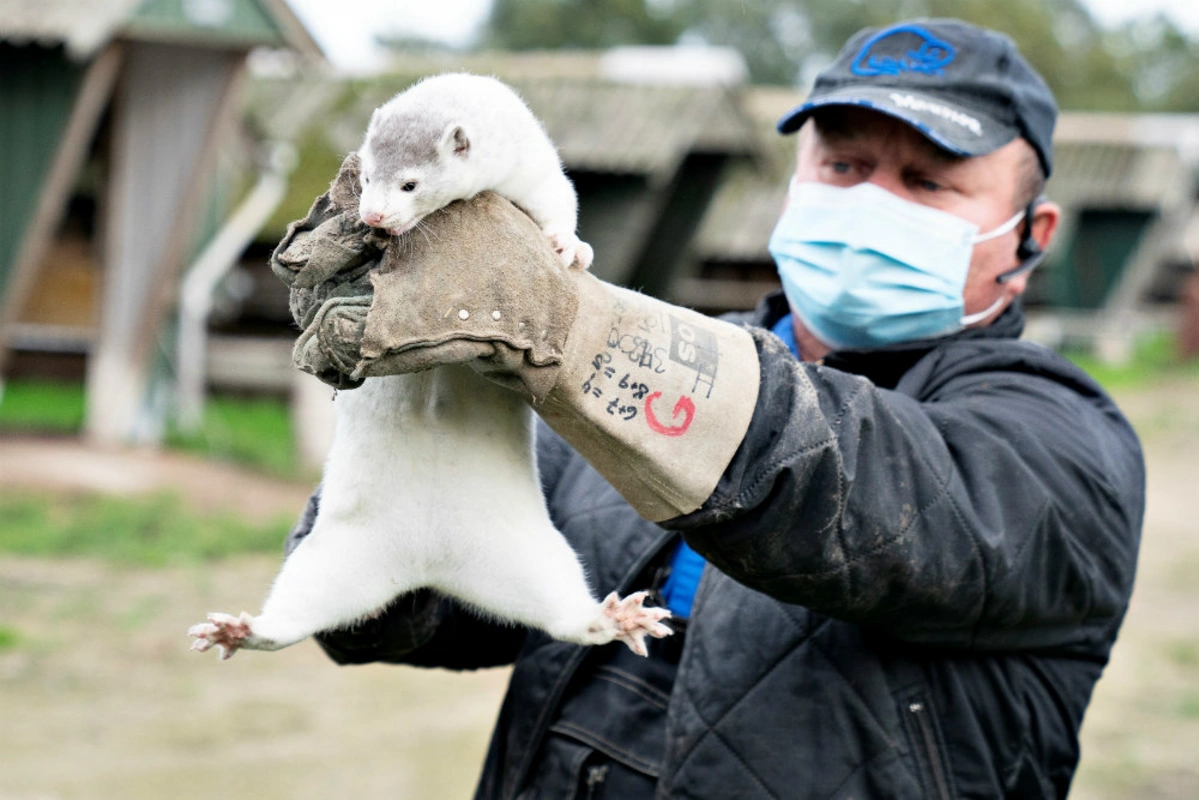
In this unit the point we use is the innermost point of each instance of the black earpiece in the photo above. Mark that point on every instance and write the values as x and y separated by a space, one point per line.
1029 251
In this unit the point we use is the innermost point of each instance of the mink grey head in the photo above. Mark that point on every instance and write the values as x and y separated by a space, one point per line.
401 141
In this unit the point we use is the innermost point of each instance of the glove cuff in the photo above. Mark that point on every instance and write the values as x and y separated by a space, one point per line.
656 397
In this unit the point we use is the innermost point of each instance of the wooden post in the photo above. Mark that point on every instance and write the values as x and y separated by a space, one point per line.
173 103
1188 323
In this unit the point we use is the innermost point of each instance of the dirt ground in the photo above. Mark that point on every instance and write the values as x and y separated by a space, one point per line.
100 697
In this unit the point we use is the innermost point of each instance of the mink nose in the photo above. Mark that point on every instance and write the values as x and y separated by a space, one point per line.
372 218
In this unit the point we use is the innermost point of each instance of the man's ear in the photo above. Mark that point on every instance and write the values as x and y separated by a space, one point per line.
1037 234
1045 219
455 141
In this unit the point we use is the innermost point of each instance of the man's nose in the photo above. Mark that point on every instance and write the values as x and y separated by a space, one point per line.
892 181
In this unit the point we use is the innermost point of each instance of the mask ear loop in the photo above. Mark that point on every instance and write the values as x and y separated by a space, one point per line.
1029 251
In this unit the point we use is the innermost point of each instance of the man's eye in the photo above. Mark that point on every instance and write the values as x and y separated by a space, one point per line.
928 186
841 167
410 186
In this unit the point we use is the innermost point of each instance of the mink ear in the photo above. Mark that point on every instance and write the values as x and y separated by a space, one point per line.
456 141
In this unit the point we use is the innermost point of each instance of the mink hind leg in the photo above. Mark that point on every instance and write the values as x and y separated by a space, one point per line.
342 572
530 575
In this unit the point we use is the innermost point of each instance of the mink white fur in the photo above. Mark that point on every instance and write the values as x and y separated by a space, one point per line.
431 480
452 136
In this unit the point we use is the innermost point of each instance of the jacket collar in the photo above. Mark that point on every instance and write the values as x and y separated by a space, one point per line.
886 365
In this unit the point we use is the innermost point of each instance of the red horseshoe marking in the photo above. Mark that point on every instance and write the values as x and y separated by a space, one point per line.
684 406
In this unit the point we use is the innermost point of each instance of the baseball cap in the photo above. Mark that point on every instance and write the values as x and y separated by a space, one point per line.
966 88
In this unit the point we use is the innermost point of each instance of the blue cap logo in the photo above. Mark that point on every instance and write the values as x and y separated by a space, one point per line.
891 52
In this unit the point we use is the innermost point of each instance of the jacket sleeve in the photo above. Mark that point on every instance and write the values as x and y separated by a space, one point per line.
1001 509
422 628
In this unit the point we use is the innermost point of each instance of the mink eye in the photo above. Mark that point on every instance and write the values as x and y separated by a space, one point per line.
410 186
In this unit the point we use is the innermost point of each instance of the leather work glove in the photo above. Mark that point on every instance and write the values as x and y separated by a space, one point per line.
656 397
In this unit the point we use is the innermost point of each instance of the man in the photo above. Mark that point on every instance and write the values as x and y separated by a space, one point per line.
898 543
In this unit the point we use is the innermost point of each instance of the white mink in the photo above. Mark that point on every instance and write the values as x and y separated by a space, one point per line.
432 482
452 136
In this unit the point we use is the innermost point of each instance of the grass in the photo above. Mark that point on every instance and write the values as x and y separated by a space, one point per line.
1154 358
1188 706
1183 653
147 531
150 531
9 638
251 431
42 407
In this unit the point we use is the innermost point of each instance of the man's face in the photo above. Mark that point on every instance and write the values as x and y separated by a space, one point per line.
844 146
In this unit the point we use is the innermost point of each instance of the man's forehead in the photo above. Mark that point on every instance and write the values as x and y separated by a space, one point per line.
841 125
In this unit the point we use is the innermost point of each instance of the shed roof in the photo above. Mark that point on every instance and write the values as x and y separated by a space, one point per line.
84 26
1134 161
603 122
738 224
1117 175
602 126
598 125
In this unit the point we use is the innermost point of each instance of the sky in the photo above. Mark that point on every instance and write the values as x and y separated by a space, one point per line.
344 28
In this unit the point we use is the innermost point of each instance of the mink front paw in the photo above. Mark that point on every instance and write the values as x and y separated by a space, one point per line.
571 250
630 621
227 632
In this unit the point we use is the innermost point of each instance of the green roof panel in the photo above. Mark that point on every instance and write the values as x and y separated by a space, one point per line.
237 23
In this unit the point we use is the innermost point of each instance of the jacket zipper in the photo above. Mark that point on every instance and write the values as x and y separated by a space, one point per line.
919 712
595 776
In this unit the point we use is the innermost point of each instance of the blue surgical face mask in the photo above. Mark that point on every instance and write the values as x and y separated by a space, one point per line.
865 268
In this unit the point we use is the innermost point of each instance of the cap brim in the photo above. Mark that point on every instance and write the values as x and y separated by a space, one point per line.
960 131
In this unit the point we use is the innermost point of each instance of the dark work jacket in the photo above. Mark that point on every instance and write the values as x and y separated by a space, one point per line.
919 558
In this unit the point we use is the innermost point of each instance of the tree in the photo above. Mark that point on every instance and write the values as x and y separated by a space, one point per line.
554 24
1160 60
1143 66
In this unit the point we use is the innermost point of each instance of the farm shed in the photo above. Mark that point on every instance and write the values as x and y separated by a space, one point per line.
113 114
1128 185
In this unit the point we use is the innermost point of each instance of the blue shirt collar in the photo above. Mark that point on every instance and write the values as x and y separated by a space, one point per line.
786 331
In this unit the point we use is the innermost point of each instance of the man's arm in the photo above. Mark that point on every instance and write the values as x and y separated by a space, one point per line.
1003 509
992 511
